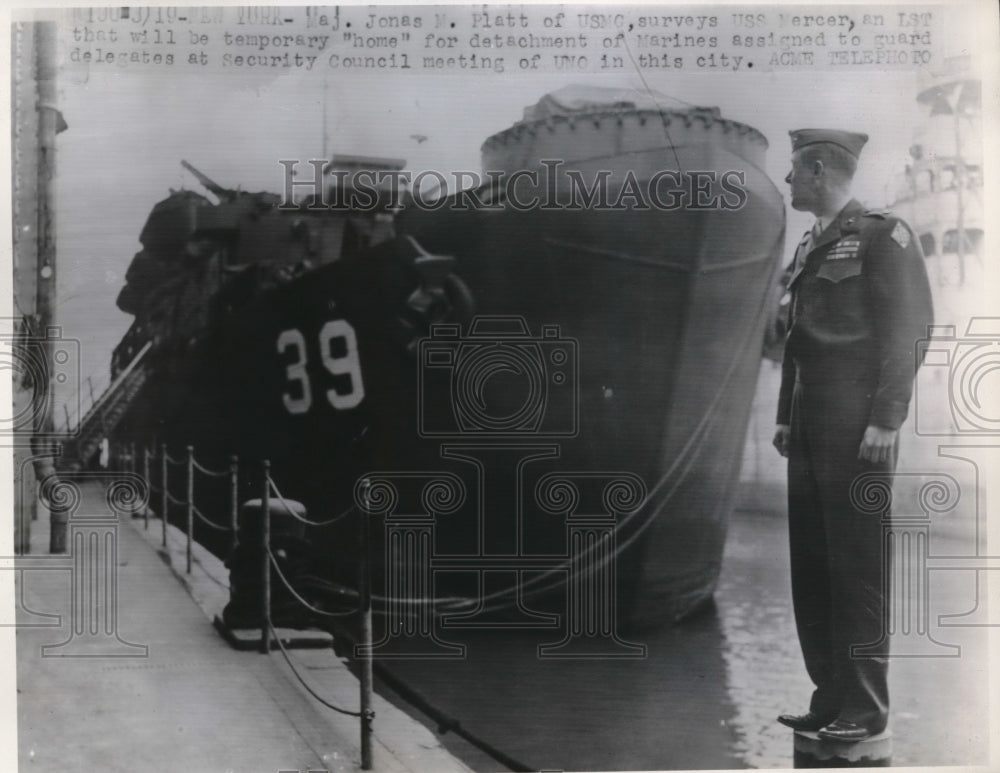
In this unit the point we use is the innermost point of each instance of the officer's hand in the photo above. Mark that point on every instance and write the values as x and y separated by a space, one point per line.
782 434
877 444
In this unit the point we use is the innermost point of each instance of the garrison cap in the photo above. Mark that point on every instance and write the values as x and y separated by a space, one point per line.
852 142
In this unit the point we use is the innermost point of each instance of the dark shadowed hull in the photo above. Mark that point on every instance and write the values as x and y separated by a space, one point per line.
606 378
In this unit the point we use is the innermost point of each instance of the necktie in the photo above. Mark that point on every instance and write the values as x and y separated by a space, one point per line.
807 244
814 235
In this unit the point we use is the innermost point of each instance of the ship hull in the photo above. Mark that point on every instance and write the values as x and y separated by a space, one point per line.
667 310
583 427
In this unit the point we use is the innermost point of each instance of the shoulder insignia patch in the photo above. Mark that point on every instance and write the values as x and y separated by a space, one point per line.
901 235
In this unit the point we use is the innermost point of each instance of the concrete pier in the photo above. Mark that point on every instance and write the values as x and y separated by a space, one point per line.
188 702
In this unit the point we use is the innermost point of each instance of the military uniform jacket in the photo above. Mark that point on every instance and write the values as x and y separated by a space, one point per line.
860 303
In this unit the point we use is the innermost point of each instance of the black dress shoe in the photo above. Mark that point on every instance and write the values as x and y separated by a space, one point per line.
842 730
808 721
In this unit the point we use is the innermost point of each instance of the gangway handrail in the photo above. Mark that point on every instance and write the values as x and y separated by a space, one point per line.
112 388
79 411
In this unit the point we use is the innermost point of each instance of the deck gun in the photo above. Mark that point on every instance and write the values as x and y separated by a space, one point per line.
224 194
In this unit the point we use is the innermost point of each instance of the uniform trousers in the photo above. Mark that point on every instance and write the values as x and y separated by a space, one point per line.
837 560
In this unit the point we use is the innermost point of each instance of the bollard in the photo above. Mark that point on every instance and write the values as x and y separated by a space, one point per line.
190 504
811 751
164 502
145 477
234 501
265 544
364 586
246 585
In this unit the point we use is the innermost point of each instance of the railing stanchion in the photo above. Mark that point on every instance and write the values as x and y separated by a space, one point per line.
164 503
234 500
147 481
364 586
131 458
190 504
66 414
265 552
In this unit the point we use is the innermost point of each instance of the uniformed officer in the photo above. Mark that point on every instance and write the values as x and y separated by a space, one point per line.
860 302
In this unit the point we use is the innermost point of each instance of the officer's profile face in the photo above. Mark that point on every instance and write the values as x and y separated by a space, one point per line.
804 181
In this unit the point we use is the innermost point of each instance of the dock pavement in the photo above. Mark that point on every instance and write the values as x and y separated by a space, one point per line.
171 694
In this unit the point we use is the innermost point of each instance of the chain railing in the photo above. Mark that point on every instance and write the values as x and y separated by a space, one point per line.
268 560
192 468
127 457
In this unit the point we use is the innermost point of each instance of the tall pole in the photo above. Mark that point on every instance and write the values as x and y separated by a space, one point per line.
367 678
234 503
48 127
164 490
190 504
147 480
24 164
48 118
265 560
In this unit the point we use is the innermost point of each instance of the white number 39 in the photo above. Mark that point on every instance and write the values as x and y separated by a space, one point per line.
298 399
